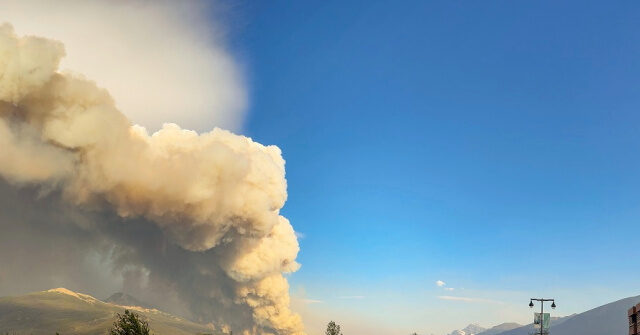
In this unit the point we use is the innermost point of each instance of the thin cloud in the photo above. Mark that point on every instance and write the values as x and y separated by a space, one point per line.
440 283
311 301
449 288
468 299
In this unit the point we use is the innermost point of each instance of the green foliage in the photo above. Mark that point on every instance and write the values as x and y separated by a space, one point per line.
333 329
129 323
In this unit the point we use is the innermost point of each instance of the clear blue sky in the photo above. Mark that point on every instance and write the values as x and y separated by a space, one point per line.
493 145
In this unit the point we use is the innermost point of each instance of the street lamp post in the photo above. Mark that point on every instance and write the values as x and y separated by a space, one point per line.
553 305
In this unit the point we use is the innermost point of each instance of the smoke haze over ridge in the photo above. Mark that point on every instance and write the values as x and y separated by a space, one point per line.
193 216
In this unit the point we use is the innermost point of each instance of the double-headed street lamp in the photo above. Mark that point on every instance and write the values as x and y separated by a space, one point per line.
553 305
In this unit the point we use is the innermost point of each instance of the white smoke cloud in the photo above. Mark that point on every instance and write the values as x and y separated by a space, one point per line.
160 60
195 214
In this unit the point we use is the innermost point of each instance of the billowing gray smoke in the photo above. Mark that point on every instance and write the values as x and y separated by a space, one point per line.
193 216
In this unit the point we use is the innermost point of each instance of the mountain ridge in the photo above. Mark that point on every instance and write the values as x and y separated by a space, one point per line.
495 330
124 299
64 311
471 329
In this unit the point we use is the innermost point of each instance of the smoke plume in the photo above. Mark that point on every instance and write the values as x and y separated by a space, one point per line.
193 216
156 58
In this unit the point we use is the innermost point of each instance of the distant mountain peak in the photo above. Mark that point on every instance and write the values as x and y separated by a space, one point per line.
471 329
123 299
475 329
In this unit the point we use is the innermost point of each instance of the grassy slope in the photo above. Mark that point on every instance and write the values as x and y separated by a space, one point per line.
50 312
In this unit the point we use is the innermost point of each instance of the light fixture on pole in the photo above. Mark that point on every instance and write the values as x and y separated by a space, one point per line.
553 305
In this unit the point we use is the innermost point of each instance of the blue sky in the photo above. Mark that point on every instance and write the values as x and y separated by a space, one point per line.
493 145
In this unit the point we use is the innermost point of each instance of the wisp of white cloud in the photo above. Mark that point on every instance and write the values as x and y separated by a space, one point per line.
311 301
468 299
440 283
162 61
